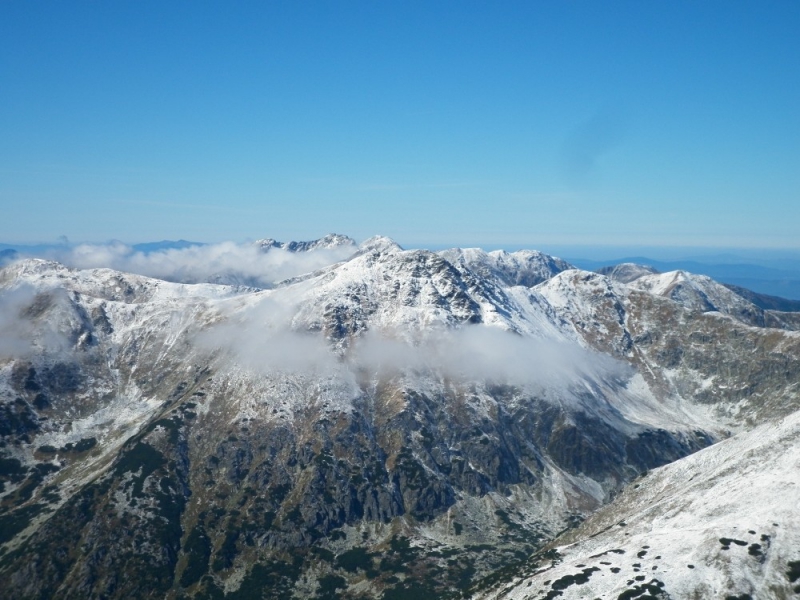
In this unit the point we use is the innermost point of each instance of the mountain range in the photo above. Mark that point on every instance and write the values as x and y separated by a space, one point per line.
374 422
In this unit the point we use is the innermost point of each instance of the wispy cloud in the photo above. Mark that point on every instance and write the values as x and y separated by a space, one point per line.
588 142
481 353
360 185
186 205
23 331
392 187
265 338
227 262
15 329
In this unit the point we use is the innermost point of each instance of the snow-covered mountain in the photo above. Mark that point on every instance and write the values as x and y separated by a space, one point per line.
721 523
701 293
394 423
524 267
627 272
332 240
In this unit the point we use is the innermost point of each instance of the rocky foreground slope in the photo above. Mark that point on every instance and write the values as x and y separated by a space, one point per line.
398 424
721 523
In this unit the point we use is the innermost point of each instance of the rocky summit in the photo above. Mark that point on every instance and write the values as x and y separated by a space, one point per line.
396 424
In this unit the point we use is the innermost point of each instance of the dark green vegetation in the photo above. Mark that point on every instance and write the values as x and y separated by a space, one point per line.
726 543
82 445
198 551
793 571
517 570
11 523
653 590
793 574
566 581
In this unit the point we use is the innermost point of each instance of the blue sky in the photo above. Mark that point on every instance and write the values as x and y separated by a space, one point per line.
441 123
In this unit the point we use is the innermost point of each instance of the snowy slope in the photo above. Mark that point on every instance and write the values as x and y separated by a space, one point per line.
701 293
707 362
524 267
108 284
720 523
627 272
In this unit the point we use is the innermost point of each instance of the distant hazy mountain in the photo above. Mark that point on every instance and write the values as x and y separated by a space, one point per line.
8 255
783 282
332 240
165 245
765 301
627 272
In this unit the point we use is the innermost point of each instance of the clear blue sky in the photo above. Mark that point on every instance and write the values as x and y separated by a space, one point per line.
470 123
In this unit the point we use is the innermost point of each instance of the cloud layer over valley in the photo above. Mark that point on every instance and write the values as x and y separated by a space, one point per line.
263 339
226 262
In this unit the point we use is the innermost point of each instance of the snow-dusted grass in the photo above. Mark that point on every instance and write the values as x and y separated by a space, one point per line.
723 521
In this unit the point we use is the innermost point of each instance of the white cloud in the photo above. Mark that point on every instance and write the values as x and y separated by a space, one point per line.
483 353
227 262
15 329
261 338
26 326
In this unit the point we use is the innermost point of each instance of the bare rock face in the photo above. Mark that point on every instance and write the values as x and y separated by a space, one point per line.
399 424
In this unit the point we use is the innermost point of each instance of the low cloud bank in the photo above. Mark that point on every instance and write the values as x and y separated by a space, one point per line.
25 326
226 262
262 340
15 329
484 353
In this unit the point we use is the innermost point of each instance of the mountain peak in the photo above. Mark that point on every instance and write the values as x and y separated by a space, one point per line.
380 243
627 271
332 240
524 267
